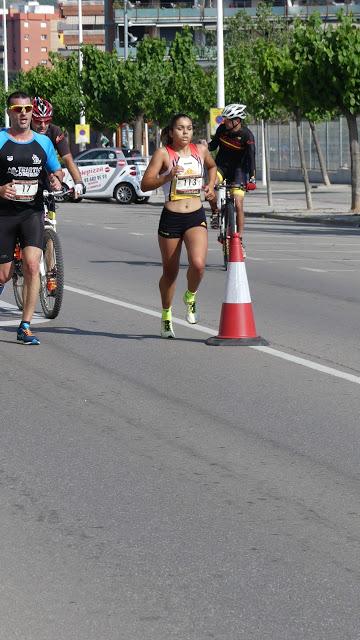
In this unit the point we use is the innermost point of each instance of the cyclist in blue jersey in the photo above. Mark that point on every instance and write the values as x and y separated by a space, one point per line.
26 159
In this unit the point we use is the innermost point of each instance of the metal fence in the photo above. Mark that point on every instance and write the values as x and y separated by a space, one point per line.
284 151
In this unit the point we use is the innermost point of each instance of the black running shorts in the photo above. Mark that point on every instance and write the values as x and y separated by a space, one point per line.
232 174
27 227
174 225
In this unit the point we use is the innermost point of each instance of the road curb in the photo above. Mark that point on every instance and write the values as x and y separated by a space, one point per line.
350 220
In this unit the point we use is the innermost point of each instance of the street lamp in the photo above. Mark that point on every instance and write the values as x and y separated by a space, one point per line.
5 59
82 145
127 36
220 55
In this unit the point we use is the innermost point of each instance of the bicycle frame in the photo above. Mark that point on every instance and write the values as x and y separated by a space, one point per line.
51 269
227 225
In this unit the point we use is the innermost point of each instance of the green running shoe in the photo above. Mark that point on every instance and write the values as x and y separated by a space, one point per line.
167 330
192 314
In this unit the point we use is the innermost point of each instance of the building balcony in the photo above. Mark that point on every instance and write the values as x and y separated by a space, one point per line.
204 55
96 39
200 16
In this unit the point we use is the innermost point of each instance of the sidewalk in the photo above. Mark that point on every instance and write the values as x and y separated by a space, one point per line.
331 205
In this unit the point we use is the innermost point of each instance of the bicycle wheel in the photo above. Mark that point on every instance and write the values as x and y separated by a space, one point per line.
223 235
18 284
231 216
52 279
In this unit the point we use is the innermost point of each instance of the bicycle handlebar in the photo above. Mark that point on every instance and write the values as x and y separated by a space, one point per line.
248 186
59 196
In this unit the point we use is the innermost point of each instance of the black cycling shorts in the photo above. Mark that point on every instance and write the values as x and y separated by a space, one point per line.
27 227
232 174
174 225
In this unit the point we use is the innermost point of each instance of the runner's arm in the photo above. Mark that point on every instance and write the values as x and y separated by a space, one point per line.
210 165
72 168
53 167
250 147
152 179
55 179
214 142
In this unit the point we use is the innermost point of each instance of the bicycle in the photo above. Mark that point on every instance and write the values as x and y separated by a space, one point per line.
227 221
51 288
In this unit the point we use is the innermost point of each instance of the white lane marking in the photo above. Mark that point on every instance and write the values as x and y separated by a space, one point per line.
256 259
14 311
300 250
275 260
111 228
327 270
336 373
340 270
134 233
309 364
284 243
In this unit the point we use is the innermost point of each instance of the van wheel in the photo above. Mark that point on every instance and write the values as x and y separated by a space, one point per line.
124 193
142 199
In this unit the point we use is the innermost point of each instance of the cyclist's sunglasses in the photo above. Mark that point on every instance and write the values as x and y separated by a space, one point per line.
42 120
20 108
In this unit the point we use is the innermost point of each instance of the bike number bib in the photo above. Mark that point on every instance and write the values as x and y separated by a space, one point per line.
25 190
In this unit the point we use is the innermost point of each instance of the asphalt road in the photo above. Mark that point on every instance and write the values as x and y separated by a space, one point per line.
162 490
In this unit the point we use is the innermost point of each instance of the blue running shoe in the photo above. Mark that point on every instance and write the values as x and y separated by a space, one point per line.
25 335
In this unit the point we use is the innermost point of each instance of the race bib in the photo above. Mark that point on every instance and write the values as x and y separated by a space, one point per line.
188 185
25 190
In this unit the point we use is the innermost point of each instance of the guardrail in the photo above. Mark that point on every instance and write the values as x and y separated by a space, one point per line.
184 15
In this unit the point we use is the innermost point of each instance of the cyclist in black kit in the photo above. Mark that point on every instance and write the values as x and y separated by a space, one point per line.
26 159
235 159
42 123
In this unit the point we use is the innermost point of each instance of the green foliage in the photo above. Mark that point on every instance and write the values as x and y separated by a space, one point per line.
59 84
145 80
103 88
330 57
190 89
305 69
246 41
2 102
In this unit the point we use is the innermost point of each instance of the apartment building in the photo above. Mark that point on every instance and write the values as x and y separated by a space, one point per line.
163 18
31 35
93 24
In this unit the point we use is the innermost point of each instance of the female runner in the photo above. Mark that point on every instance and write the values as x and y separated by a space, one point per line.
178 167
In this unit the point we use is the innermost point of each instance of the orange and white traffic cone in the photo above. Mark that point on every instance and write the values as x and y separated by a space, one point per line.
237 324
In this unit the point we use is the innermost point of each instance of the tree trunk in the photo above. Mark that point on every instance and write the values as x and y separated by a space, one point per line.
355 162
322 163
304 170
267 165
138 131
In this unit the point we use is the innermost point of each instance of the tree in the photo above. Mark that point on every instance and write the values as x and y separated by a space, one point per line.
145 83
103 89
59 84
160 86
191 89
243 80
332 61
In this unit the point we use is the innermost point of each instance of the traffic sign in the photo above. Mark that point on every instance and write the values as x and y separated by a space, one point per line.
82 133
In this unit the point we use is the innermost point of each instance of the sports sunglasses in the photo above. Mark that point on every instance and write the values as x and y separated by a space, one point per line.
20 108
